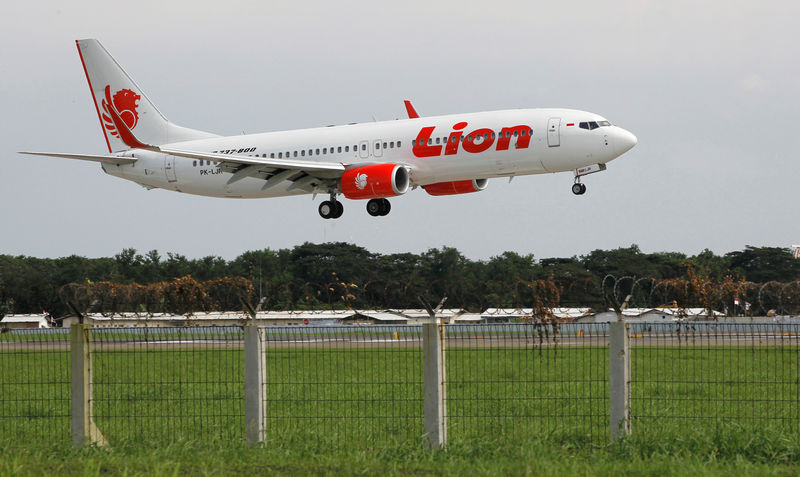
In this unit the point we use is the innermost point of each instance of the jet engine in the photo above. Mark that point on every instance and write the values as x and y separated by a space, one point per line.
456 187
375 181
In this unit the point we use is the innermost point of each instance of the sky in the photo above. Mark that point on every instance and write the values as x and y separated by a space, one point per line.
709 88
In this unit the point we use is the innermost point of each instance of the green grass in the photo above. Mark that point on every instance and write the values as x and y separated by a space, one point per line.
716 454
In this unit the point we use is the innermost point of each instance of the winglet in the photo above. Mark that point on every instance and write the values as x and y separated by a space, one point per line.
412 113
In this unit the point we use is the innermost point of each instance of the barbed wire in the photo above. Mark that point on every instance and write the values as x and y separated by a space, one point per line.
186 295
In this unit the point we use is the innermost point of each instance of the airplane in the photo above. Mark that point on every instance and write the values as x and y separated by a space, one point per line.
444 155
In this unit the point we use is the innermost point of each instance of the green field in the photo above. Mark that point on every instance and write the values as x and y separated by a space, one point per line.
347 409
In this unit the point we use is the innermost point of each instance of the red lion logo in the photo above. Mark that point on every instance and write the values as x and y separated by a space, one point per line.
125 104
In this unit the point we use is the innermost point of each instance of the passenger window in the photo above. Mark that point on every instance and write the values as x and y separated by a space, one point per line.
339 149
295 153
194 163
280 155
398 143
324 150
524 132
303 152
347 149
391 145
437 140
272 155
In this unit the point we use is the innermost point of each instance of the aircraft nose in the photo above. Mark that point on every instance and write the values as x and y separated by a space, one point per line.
624 141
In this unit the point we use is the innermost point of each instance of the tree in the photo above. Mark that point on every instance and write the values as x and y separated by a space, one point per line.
762 264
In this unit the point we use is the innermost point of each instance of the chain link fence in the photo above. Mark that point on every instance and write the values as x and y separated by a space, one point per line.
343 387
35 386
695 375
366 387
529 379
168 384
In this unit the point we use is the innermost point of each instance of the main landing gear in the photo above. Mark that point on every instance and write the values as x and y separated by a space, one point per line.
578 188
331 209
376 207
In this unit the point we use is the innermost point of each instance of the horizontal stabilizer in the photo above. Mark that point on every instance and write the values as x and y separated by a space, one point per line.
86 157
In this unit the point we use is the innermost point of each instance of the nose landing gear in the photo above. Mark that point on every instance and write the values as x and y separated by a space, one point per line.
577 187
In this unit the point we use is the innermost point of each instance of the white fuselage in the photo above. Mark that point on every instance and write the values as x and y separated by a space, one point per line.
558 143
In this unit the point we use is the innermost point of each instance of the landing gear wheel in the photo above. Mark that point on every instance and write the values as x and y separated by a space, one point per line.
326 209
386 207
578 188
331 209
375 207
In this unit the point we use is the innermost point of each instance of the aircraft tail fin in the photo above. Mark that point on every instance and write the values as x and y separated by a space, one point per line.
111 87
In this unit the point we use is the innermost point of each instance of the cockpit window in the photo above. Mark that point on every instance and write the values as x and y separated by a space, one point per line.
593 124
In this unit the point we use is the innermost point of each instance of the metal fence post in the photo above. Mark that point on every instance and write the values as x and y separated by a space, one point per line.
254 383
435 386
619 379
84 430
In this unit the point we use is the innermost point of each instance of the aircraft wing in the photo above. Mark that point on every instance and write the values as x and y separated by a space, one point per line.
249 160
306 175
86 157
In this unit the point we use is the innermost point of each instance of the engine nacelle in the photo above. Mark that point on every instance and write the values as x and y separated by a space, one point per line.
456 187
375 181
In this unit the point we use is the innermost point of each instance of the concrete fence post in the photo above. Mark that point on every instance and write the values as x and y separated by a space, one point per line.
84 430
434 382
619 379
254 384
